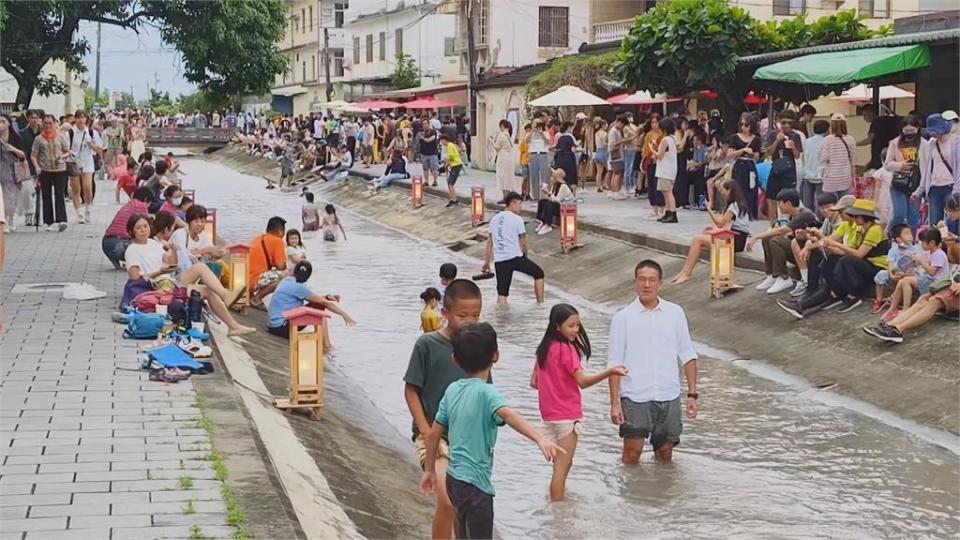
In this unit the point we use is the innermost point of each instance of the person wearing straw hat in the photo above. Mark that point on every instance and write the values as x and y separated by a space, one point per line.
853 274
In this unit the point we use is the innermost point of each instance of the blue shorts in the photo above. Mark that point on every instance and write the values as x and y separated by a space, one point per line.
430 163
882 278
923 284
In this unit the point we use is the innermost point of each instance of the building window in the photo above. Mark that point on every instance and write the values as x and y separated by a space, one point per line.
310 20
303 71
303 17
313 67
356 49
339 10
369 48
398 41
481 9
338 63
383 46
554 27
789 7
449 46
295 25
875 9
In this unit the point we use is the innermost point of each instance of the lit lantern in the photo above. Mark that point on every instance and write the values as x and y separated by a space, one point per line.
191 193
568 227
416 191
306 360
210 228
476 205
239 263
721 261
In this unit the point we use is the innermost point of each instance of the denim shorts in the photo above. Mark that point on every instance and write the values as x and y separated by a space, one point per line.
430 163
882 278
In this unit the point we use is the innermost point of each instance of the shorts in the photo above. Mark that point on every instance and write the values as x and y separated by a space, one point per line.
658 420
601 156
950 301
366 150
561 429
525 170
616 166
779 182
268 278
505 270
882 278
431 163
333 140
665 184
739 241
473 508
923 283
453 174
421 445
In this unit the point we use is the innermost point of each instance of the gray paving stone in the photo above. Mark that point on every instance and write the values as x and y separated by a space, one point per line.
161 520
20 469
53 458
71 534
73 487
19 512
155 508
91 509
111 475
211 531
16 489
36 499
185 495
112 498
35 524
133 520
36 478
112 456
191 473
145 485
75 467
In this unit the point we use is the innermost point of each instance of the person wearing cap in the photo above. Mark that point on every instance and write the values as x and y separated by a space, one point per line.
953 118
939 167
812 260
855 270
293 292
836 158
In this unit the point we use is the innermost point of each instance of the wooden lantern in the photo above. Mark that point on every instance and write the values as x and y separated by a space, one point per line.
476 205
416 191
306 360
192 193
722 262
210 227
568 227
239 263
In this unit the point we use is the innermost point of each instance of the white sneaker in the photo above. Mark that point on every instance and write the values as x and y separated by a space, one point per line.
52 227
6 229
86 213
766 283
782 284
80 219
799 289
11 228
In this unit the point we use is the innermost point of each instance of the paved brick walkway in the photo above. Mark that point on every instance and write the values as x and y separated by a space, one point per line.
90 447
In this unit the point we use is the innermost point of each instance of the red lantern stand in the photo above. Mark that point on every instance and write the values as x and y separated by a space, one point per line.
416 191
569 227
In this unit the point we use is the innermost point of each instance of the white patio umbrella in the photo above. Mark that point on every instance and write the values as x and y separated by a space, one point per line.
336 104
568 96
350 108
862 92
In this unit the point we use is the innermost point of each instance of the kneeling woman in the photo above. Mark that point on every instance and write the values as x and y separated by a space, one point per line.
548 209
736 217
293 292
154 259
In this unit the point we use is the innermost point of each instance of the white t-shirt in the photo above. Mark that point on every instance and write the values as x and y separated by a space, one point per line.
294 255
147 257
740 222
318 129
184 244
667 167
81 149
506 228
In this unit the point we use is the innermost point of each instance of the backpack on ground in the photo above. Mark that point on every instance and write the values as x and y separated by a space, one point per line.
146 302
143 325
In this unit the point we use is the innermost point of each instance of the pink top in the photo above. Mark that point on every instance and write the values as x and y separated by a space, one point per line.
168 208
558 390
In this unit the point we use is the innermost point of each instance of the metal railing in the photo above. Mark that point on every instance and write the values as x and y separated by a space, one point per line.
611 30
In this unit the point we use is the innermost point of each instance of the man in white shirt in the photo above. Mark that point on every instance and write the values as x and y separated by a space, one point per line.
650 336
507 247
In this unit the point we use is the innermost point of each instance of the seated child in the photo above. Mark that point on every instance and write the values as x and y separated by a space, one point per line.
296 251
928 266
950 229
899 262
429 318
470 412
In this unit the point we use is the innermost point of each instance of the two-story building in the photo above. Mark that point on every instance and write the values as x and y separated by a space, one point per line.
295 89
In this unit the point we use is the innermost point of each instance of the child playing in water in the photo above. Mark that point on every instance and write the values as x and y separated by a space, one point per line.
448 273
470 412
331 223
558 378
429 319
309 213
296 251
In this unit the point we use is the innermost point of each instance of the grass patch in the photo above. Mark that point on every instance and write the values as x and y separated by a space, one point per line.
189 509
149 475
235 517
197 534
206 425
186 482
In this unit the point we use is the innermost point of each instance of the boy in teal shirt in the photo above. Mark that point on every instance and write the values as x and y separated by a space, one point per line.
471 411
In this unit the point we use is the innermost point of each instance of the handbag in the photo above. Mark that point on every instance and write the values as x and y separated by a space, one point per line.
518 170
906 181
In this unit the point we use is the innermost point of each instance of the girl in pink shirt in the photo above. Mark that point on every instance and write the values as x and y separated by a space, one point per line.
558 378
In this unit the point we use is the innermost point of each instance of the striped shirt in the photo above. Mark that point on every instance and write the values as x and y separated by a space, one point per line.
836 158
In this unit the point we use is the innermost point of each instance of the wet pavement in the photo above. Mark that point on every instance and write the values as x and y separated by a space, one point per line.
762 459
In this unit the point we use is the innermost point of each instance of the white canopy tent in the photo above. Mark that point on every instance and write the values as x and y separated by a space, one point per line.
568 96
862 92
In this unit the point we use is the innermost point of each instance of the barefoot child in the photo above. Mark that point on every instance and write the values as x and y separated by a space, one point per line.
296 251
309 213
429 320
470 412
558 378
428 374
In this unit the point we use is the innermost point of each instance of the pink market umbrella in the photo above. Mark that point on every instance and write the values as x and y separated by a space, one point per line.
428 102
377 104
618 98
753 99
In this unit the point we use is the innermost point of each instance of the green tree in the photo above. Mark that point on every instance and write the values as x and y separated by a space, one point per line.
205 101
89 98
227 46
583 71
406 74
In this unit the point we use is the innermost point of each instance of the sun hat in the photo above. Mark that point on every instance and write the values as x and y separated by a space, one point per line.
581 116
845 202
838 116
937 125
863 207
950 116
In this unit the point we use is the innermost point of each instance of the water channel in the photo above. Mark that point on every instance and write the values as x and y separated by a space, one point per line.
762 460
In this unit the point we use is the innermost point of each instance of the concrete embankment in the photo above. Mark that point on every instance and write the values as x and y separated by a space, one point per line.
917 381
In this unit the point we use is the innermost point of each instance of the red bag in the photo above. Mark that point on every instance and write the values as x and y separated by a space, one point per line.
146 302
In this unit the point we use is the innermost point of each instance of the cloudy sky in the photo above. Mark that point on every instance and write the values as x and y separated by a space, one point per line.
130 59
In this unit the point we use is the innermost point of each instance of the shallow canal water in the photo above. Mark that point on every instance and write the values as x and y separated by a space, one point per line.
762 459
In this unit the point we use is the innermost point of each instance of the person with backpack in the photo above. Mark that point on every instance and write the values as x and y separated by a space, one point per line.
85 144
835 158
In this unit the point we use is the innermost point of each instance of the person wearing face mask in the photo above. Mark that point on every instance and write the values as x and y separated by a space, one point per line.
939 167
173 196
902 160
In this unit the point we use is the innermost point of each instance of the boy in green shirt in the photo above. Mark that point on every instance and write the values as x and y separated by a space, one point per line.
454 167
470 412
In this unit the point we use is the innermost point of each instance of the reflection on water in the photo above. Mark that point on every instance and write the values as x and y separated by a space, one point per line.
761 459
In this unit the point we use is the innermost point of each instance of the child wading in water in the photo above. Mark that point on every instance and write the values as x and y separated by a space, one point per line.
558 378
470 413
309 213
429 319
331 224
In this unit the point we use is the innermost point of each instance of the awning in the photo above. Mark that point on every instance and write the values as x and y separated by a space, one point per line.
843 67
862 92
288 91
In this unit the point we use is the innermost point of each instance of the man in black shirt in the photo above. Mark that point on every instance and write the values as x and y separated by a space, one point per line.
429 154
882 130
776 242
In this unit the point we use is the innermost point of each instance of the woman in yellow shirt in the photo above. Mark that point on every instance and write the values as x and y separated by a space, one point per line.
524 147
429 318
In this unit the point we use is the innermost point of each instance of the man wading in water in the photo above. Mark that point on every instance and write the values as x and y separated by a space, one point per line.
649 337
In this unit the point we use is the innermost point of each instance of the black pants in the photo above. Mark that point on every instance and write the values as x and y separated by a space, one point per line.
352 147
548 211
280 331
505 270
656 198
681 188
698 180
473 508
851 276
53 191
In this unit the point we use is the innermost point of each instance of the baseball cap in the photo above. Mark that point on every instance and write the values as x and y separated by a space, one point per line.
845 202
950 116
583 116
838 116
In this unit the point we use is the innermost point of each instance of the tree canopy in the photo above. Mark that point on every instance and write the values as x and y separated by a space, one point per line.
406 74
227 46
584 71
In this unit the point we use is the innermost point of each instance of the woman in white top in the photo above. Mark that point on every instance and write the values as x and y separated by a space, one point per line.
548 208
736 218
192 245
84 143
502 142
666 171
155 260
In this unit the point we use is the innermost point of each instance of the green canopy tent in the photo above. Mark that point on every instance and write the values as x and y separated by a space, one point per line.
844 67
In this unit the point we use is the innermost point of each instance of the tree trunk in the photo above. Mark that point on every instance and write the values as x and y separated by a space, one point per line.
731 107
25 91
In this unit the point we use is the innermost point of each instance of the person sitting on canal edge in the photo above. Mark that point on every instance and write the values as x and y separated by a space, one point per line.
471 411
116 238
268 260
507 247
293 292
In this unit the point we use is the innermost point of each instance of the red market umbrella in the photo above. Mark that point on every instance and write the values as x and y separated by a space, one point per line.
377 104
753 99
709 94
618 98
428 102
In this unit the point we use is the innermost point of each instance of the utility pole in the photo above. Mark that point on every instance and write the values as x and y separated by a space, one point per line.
96 86
471 69
326 62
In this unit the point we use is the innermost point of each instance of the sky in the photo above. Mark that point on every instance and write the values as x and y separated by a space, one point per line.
130 59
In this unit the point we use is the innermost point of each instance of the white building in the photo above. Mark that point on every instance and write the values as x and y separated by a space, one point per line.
56 104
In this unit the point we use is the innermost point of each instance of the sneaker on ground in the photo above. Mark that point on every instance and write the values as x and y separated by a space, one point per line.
62 227
782 284
792 308
850 304
451 203
885 332
800 289
81 220
831 303
766 283
52 227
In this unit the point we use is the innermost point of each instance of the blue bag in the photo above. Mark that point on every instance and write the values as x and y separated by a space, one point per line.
172 356
144 325
763 173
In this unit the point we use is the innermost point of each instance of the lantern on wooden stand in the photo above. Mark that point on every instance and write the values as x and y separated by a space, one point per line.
191 193
722 262
210 227
416 191
306 360
476 206
239 263
568 227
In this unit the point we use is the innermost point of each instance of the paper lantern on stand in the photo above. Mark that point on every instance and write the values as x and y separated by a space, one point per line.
191 193
568 227
416 191
476 205
306 360
722 262
210 227
239 263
